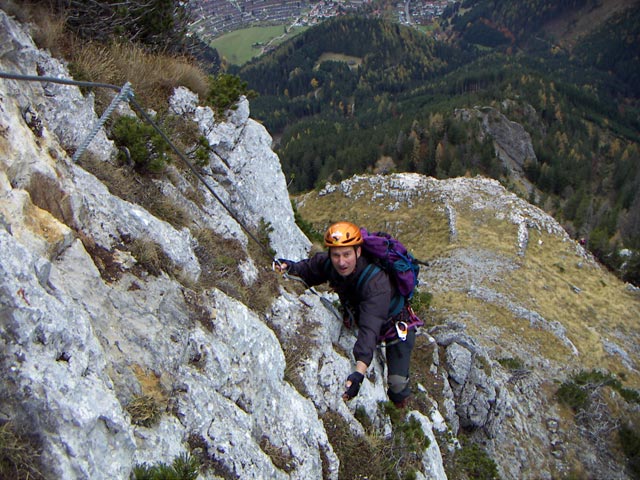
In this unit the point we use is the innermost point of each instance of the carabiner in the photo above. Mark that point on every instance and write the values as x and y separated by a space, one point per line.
402 329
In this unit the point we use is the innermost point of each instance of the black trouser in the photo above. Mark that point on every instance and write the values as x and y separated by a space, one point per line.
398 360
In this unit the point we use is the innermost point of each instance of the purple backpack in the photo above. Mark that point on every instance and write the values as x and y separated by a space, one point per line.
392 256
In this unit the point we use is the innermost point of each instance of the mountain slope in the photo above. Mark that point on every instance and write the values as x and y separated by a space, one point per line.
579 107
508 283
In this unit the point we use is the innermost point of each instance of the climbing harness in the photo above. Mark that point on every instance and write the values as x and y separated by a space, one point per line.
399 329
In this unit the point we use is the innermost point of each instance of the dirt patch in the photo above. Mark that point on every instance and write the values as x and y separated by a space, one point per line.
46 193
149 383
104 260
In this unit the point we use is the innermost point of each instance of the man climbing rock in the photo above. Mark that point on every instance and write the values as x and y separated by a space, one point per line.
366 295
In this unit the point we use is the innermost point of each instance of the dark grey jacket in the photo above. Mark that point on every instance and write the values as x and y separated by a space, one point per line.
370 306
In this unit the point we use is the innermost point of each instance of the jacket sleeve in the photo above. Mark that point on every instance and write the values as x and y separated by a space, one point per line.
373 307
313 271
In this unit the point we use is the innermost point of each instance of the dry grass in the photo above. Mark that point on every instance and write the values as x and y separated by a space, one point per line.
125 183
47 27
152 258
144 411
280 456
152 75
423 228
19 455
349 447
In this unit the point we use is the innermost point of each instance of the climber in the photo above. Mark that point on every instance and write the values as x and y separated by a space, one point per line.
342 266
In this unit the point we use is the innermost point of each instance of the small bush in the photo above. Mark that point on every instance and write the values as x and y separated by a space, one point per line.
630 442
184 467
573 396
144 410
280 456
306 227
224 92
420 302
409 432
350 449
511 363
577 392
147 149
264 229
151 257
475 463
630 395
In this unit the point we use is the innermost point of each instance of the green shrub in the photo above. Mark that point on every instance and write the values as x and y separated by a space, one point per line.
511 363
146 147
630 395
396 457
264 229
306 227
407 432
573 395
184 467
224 92
201 153
630 442
576 392
475 462
420 302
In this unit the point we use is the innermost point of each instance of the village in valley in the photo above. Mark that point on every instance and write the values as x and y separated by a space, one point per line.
213 18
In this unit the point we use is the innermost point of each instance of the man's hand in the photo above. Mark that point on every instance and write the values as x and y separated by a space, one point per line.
280 266
353 385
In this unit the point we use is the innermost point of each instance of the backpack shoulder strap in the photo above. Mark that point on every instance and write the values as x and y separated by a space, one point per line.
368 272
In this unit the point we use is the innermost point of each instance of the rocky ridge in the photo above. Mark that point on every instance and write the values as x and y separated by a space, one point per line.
494 300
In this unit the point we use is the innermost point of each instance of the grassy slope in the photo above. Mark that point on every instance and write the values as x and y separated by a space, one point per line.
554 279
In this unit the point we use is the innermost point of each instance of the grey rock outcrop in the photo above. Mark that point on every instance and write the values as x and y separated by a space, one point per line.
512 143
79 347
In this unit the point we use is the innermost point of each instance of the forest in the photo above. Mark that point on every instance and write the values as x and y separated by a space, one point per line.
395 110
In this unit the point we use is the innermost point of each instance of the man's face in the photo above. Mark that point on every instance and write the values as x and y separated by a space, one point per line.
344 259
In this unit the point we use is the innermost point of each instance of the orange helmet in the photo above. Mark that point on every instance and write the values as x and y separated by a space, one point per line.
343 234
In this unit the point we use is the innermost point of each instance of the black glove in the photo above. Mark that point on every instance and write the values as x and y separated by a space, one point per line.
356 379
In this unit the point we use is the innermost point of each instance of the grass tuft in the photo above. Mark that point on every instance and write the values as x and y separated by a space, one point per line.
153 76
19 455
144 410
184 467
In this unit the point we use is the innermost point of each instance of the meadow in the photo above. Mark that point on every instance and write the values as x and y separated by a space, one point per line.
240 46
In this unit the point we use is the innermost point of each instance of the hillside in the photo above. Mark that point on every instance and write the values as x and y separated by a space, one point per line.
532 304
387 113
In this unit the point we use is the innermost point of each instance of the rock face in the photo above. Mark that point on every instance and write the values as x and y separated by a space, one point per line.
512 143
81 349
